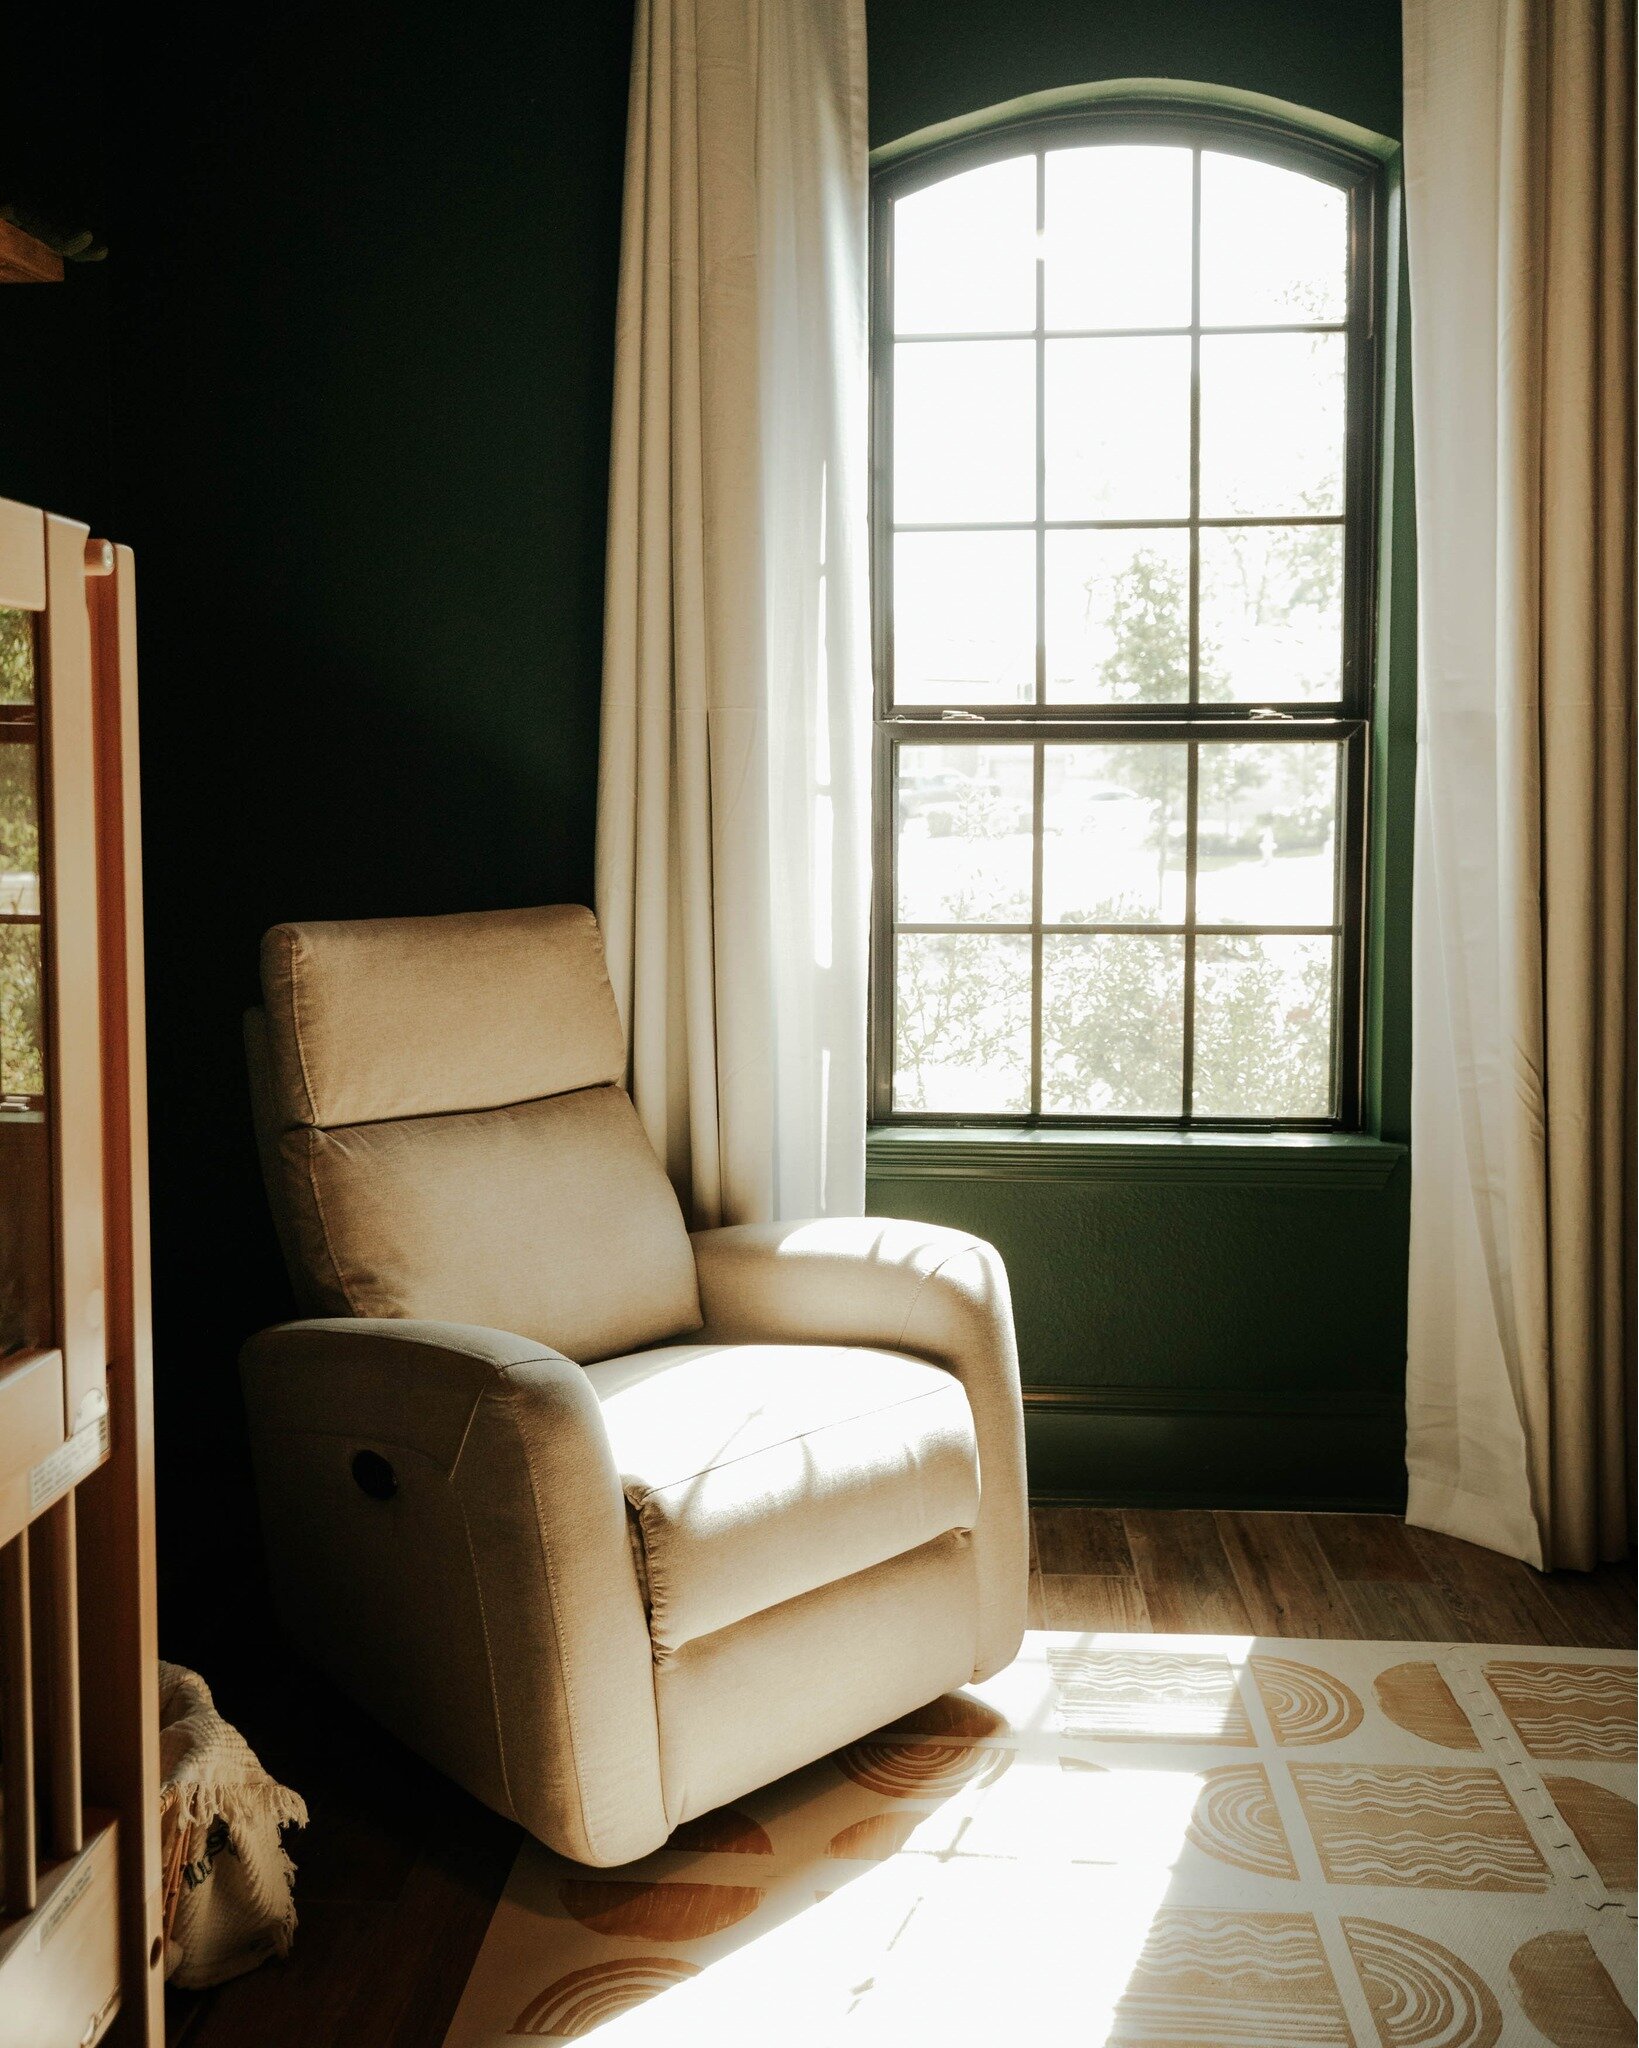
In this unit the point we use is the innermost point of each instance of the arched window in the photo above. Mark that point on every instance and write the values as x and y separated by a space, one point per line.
1122 564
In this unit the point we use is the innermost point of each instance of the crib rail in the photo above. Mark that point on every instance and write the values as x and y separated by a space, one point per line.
80 1948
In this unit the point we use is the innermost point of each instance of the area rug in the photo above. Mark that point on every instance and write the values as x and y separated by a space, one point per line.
1149 1841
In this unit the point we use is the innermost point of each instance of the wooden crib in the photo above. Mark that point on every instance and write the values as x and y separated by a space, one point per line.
80 1881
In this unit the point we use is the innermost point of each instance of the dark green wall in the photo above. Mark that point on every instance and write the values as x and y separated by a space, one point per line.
1223 1344
933 60
364 326
360 311
54 339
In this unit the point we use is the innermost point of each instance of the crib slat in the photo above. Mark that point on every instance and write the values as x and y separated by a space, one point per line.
57 1672
17 1728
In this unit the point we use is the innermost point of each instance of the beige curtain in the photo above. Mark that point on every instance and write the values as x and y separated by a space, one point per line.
733 844
1519 139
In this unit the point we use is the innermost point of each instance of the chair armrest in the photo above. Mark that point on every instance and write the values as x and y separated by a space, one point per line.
902 1287
489 1611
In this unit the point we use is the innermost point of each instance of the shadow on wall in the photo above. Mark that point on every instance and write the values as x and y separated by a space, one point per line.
363 281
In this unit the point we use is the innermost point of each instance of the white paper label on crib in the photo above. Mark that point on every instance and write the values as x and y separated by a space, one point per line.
66 1900
84 1451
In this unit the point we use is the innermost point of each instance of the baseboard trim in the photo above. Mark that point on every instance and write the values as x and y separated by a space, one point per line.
1233 1501
1301 1160
1341 1451
1142 1400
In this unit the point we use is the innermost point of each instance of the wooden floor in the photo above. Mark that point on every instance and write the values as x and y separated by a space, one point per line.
398 1871
1365 1576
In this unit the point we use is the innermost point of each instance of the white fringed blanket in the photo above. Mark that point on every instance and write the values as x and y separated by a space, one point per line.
229 1886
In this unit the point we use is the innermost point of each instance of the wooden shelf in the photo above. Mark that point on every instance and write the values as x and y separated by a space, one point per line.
24 260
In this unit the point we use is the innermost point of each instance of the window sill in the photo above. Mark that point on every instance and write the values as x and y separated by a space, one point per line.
1307 1159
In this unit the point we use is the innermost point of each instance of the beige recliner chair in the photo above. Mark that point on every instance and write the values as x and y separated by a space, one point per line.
611 1523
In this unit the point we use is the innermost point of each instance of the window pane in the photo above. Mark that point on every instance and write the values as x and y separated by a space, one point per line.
964 253
1271 424
964 431
964 618
1118 237
27 1289
1266 829
27 1281
1112 1025
1118 616
1271 613
16 657
22 1052
1263 1027
1118 429
19 830
1274 244
964 834
1113 838
961 1022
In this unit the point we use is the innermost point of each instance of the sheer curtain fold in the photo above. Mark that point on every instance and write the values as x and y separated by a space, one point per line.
1519 207
733 844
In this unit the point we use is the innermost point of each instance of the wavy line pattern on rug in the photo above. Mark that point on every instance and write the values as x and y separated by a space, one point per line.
1441 1826
1117 1696
1569 1712
1238 1980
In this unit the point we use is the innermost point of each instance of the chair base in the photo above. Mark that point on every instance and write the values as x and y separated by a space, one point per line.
745 1706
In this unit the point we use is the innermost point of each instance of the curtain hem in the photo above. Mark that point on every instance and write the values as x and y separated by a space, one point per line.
1472 1518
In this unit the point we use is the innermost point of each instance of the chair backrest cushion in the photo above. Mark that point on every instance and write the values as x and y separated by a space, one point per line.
420 1016
444 1132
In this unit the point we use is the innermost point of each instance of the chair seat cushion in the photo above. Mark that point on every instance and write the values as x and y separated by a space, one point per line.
758 1472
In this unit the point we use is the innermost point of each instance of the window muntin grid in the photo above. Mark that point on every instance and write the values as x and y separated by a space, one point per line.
1200 693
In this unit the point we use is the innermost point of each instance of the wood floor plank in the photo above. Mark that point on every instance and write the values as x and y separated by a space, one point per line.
1102 1601
1494 1599
300 1998
1081 1540
1368 1547
1386 1611
411 1994
1595 1609
1187 1581
1284 1578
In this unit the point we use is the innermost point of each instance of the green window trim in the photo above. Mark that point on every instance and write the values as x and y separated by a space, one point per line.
1210 1158
1364 1153
1183 93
